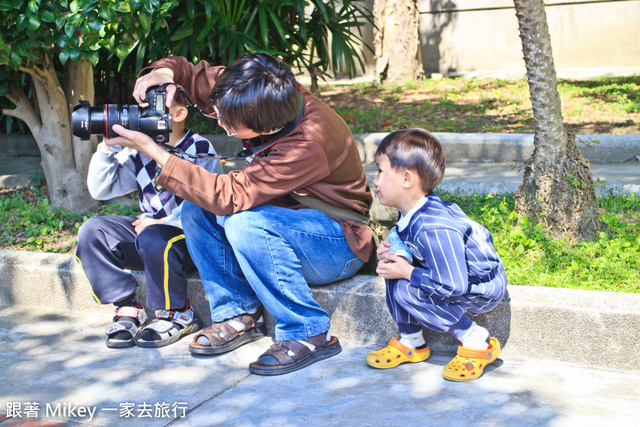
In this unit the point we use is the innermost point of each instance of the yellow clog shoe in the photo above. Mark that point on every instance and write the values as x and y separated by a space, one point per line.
396 353
469 363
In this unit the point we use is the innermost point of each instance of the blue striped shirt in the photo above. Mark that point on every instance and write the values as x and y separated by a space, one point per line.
453 255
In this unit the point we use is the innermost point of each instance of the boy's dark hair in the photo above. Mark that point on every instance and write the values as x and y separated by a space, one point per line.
257 91
417 150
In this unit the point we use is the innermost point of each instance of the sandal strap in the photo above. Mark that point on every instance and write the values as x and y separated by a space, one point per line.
183 318
470 353
161 326
281 349
126 311
221 333
407 351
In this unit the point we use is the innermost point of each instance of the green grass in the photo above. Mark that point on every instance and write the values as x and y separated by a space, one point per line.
30 223
533 258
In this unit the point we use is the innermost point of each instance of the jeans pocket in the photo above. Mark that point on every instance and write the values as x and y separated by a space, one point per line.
350 268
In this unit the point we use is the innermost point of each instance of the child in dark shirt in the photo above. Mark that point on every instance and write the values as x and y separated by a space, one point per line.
455 271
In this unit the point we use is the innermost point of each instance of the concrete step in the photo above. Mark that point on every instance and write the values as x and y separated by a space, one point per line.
561 324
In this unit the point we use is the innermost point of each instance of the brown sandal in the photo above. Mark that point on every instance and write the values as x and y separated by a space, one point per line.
284 357
224 338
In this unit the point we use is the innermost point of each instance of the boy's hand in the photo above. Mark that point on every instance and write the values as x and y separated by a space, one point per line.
394 267
142 223
154 78
104 148
382 249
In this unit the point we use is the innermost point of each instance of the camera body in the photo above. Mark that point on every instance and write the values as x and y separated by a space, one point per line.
153 119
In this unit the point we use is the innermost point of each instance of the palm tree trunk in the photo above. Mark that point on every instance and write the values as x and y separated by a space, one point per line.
557 187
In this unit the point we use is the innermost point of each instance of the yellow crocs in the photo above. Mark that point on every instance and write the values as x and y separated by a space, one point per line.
394 354
469 363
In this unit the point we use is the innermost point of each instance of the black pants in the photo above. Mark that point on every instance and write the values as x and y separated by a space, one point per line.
108 245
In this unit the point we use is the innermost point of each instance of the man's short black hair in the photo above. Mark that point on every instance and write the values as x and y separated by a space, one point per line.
417 150
258 92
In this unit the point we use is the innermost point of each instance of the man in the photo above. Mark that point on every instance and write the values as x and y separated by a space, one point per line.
253 244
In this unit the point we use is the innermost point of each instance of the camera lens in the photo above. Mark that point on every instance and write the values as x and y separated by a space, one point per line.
87 121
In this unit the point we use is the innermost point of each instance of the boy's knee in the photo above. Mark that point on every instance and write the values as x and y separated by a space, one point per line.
90 229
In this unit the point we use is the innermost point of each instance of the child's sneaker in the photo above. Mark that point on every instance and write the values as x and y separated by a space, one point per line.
127 321
168 327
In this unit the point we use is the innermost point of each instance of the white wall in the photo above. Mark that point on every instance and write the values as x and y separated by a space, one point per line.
480 37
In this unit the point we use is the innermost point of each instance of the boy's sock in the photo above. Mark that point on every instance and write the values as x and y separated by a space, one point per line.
476 338
415 340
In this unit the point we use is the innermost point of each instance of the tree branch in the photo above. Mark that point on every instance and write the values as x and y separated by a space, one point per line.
23 111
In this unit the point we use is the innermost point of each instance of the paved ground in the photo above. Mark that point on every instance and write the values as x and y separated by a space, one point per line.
59 361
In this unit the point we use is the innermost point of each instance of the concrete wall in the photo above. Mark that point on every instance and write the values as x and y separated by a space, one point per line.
480 37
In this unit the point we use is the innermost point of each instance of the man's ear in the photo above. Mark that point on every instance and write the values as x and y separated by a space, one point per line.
180 114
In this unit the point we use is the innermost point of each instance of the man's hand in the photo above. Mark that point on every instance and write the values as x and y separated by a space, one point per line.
140 142
154 78
394 267
382 249
142 223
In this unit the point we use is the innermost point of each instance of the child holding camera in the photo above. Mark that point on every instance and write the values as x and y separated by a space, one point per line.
153 242
455 271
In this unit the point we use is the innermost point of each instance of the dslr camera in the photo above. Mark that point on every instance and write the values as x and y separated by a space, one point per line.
153 120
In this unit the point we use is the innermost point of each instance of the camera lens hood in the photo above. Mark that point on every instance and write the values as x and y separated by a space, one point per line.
81 120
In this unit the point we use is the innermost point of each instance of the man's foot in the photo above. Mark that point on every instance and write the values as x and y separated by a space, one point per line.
284 357
226 336
168 327
127 322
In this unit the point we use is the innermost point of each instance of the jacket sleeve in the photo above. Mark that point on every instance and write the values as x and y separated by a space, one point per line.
111 175
196 79
288 167
444 272
211 165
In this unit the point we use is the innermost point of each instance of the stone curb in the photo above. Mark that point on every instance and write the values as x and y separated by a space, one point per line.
562 324
459 147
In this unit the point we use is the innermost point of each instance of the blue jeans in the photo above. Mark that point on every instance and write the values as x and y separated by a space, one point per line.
268 255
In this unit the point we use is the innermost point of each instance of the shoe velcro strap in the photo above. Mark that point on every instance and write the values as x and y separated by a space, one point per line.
134 312
407 351
117 327
161 326
185 318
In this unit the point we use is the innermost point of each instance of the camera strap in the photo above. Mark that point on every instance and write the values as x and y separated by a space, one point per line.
250 151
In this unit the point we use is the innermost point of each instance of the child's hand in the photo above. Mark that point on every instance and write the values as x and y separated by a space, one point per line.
382 249
392 266
142 223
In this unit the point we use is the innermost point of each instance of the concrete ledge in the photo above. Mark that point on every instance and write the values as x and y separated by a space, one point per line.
459 147
512 147
548 323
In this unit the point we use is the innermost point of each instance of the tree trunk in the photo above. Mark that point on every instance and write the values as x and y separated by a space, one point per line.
557 187
397 40
48 119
